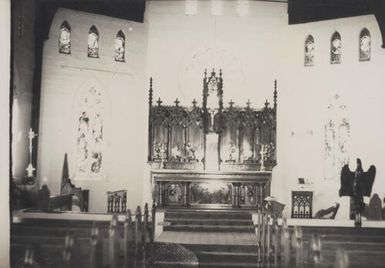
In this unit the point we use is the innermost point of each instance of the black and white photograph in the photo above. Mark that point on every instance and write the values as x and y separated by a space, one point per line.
192 133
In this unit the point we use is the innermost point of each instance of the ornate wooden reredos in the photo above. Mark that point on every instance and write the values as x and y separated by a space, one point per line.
244 137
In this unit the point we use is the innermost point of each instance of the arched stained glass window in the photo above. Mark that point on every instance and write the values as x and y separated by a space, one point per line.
91 113
335 48
365 45
309 51
65 38
120 49
93 42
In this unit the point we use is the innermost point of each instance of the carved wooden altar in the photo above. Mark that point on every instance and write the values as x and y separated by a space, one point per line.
184 188
212 138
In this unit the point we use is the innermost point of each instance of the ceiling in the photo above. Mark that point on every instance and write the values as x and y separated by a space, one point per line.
302 11
299 11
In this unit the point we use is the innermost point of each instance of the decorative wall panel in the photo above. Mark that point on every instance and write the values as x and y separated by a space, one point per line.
90 131
302 204
337 136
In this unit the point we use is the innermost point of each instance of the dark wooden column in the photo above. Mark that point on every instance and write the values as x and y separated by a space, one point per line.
169 140
150 126
260 193
185 137
160 193
236 195
186 194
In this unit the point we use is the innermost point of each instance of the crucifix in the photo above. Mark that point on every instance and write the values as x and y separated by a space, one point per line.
30 169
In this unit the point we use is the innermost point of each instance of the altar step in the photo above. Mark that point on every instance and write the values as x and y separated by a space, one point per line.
207 214
206 238
208 221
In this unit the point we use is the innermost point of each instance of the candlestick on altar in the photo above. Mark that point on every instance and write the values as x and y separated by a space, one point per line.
30 169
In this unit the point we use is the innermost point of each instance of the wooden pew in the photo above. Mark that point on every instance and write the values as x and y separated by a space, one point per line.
96 248
296 246
82 243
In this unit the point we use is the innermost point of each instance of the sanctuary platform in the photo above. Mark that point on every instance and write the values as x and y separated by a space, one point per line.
228 237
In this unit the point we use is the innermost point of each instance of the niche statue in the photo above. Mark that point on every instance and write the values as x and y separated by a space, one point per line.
357 185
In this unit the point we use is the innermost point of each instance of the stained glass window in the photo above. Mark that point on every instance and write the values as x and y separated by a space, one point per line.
309 51
93 43
90 137
120 42
65 38
365 45
335 49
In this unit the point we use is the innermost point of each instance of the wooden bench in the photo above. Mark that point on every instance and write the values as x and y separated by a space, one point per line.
83 239
310 246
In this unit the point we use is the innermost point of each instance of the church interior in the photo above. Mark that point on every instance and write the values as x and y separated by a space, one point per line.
193 133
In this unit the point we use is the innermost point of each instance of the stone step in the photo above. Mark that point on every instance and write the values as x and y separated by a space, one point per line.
226 264
203 265
209 228
214 222
228 257
222 248
171 264
207 214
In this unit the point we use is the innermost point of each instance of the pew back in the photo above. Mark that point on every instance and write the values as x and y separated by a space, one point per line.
82 240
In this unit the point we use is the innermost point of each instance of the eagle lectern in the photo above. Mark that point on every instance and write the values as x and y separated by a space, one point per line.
357 185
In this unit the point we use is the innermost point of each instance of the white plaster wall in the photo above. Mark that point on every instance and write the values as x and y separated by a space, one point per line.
248 49
252 50
125 126
308 90
261 47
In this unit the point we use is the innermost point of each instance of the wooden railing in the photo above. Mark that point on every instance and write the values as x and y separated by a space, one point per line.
117 201
124 242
